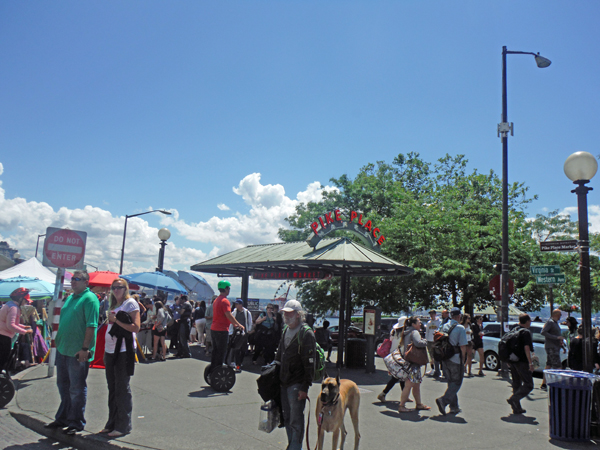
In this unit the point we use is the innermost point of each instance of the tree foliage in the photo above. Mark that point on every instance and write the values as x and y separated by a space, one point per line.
445 222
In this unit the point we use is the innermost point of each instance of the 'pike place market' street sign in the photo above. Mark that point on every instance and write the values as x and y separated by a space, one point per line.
333 221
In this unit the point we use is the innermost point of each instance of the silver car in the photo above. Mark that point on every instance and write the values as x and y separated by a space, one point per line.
492 337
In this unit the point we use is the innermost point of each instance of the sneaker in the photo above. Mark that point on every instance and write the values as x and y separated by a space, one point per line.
455 411
543 387
515 405
441 406
381 397
237 369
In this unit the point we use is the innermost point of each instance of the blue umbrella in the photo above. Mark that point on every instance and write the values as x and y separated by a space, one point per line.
38 288
196 283
155 280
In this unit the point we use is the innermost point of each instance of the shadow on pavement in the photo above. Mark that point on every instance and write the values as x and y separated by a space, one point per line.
449 418
207 392
520 418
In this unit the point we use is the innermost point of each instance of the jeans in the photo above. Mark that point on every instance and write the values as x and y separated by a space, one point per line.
454 375
184 336
522 379
120 403
220 340
71 381
293 416
5 349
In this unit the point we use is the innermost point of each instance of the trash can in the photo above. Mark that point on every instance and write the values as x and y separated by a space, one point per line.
356 353
569 404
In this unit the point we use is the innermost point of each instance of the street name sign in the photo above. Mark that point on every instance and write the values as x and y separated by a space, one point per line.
544 270
558 246
550 279
64 248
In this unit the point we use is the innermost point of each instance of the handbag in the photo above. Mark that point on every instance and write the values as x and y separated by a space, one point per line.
384 348
396 365
416 355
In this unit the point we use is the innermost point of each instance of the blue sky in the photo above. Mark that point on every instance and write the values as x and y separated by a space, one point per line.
227 113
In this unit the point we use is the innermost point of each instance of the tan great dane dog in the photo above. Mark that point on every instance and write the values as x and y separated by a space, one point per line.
336 396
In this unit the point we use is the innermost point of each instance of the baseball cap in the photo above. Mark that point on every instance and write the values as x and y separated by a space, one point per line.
240 301
223 284
292 305
455 311
21 293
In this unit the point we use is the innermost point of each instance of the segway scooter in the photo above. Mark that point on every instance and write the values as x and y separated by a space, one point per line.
7 387
222 378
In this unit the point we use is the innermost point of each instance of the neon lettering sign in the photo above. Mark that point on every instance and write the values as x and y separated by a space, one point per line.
357 224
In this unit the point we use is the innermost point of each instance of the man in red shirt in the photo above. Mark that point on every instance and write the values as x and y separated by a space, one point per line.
219 330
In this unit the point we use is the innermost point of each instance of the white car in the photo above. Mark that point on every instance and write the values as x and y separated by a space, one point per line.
492 337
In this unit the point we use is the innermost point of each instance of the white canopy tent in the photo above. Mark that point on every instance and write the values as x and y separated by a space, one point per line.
32 268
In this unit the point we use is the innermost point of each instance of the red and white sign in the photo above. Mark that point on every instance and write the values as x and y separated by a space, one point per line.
496 288
64 248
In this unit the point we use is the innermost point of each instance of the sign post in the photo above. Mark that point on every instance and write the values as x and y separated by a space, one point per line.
371 321
63 249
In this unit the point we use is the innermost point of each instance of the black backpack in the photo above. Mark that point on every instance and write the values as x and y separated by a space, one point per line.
442 350
508 345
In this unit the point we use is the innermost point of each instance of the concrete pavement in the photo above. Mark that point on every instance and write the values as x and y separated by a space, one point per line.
175 409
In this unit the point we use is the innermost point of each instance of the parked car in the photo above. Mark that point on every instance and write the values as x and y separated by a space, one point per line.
353 332
491 338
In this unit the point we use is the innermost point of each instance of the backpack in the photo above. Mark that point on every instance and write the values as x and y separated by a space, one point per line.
442 350
507 347
319 368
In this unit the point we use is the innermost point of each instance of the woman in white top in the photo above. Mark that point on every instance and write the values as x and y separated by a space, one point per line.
120 402
466 322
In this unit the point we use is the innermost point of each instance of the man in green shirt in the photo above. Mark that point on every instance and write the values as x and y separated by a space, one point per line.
75 345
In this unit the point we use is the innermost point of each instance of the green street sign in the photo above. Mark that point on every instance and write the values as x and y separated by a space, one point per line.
544 270
550 279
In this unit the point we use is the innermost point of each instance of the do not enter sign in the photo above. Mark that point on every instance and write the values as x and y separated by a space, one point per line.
64 248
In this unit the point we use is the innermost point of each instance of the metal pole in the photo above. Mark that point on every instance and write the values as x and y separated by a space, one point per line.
58 303
348 316
38 243
245 288
123 247
504 274
161 255
584 274
342 324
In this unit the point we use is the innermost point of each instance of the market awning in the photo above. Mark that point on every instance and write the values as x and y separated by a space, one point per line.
335 256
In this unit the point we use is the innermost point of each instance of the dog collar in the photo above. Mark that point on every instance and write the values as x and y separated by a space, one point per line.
334 401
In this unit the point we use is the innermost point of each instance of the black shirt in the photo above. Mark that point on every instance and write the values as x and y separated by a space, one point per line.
524 340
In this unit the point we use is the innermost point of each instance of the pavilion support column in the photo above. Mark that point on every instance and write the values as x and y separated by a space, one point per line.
342 326
349 308
245 284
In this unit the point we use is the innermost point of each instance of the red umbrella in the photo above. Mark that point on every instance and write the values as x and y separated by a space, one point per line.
105 279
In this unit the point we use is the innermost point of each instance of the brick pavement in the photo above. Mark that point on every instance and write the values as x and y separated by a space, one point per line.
15 436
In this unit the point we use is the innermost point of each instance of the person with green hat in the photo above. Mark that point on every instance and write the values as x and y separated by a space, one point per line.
219 329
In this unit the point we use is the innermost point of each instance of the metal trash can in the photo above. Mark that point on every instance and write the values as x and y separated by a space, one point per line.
569 404
356 353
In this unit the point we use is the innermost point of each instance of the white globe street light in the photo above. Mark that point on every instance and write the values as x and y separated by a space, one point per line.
163 234
580 168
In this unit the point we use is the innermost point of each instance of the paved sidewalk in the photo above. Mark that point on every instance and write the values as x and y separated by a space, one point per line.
175 409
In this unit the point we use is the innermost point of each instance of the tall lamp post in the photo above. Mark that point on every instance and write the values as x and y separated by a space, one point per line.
125 231
580 168
503 129
163 234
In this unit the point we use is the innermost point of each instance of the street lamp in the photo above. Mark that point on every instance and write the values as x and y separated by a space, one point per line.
38 243
125 231
580 168
163 234
503 129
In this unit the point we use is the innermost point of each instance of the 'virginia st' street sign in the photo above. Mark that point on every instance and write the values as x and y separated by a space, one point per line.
550 279
544 270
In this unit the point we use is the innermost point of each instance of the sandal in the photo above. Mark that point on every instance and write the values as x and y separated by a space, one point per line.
116 433
481 374
403 409
422 407
105 430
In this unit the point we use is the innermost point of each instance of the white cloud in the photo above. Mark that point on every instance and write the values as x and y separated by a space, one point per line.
21 221
593 216
269 206
223 207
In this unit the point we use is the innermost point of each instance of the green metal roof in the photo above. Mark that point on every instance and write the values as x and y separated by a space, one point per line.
337 256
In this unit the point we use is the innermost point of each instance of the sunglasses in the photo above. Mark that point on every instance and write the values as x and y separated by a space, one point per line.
77 279
116 288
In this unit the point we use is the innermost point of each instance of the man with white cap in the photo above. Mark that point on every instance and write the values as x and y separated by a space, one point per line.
296 355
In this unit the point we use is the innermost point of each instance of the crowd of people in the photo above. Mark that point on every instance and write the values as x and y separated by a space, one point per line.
229 333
